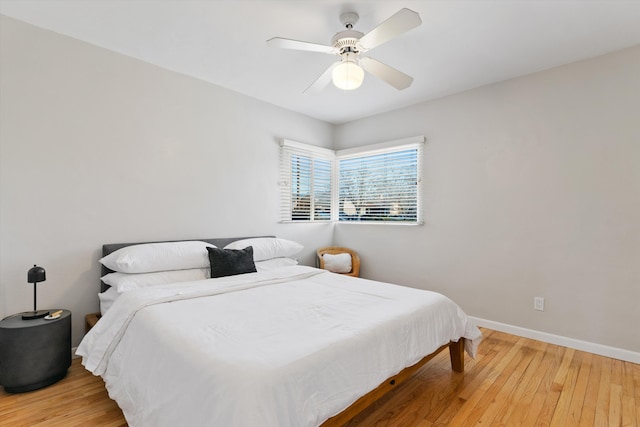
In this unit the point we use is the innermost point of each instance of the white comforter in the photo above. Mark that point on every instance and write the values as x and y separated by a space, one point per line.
290 347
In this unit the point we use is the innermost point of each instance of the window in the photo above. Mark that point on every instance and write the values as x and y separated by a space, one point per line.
378 183
306 176
381 183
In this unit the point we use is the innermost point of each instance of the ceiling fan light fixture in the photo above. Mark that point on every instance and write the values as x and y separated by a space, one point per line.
348 75
349 44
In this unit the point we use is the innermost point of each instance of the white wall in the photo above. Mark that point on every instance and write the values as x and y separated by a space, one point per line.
532 188
96 148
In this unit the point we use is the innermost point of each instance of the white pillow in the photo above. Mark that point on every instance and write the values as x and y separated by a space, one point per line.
268 247
272 264
123 282
338 263
150 257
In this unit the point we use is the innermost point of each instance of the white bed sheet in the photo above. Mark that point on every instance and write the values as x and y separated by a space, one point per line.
290 347
107 298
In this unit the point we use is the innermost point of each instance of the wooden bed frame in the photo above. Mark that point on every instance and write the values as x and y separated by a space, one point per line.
456 349
456 353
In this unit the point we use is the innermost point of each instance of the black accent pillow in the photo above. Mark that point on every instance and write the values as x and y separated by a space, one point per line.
229 262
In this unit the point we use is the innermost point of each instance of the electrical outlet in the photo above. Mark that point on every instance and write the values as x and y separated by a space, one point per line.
538 303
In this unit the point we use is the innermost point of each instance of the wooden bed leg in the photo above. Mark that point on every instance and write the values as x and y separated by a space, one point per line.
456 353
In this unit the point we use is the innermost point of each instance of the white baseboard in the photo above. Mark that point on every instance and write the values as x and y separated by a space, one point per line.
73 353
602 350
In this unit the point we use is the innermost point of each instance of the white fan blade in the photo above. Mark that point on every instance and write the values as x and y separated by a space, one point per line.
322 81
299 45
403 21
395 78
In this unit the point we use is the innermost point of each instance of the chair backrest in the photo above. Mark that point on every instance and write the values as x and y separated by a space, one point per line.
333 250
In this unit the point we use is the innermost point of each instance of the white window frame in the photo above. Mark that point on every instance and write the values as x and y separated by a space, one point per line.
412 143
288 147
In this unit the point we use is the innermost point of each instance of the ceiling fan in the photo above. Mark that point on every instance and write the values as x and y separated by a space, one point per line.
349 44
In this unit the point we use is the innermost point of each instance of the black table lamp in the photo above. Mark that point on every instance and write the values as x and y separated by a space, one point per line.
35 275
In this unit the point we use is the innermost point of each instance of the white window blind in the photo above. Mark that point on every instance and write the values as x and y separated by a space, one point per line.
381 183
306 179
377 183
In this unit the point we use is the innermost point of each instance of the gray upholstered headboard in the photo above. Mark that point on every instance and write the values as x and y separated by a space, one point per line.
112 247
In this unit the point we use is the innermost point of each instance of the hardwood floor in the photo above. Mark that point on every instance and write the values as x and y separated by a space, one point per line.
513 381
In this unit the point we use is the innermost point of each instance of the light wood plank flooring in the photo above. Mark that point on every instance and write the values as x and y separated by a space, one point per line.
513 381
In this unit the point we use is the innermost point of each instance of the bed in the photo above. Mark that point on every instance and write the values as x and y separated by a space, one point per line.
281 345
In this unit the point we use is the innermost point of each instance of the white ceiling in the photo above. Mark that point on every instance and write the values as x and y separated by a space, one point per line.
460 44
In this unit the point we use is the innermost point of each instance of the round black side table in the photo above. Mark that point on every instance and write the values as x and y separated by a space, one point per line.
34 353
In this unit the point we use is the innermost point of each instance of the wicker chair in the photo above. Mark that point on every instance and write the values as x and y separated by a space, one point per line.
333 250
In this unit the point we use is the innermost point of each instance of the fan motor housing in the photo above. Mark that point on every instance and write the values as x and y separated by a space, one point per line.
346 41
